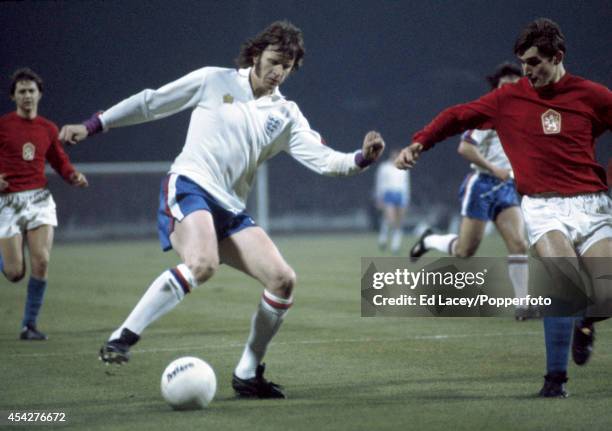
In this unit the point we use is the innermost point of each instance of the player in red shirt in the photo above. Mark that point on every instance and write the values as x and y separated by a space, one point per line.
27 209
548 123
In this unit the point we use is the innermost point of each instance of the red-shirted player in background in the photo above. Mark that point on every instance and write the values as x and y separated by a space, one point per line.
548 122
27 209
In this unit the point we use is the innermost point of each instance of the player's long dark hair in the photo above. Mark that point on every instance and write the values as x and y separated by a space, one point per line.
25 74
283 34
504 69
543 33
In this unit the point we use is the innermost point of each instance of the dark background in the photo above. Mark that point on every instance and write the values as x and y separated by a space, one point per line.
385 65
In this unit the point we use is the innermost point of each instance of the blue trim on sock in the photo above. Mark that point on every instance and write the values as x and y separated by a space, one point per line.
1 264
558 339
34 300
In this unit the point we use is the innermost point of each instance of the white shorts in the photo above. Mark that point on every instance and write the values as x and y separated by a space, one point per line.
583 219
27 210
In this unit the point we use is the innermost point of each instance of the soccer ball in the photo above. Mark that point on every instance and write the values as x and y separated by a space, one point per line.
188 383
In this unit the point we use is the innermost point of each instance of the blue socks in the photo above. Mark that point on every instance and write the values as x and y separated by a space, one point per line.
36 293
1 264
558 338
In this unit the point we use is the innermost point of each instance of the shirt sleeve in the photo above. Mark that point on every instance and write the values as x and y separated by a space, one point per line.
474 136
603 107
57 157
478 114
150 105
306 146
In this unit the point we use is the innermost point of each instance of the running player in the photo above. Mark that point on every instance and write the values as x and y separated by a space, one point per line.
27 209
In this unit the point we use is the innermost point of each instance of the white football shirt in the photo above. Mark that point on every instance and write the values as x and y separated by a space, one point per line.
490 147
391 179
230 133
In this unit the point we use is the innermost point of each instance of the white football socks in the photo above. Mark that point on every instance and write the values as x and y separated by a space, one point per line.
518 269
264 325
383 234
162 296
396 240
440 242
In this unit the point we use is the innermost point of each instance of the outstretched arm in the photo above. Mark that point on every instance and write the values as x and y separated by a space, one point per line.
452 121
306 146
148 105
309 151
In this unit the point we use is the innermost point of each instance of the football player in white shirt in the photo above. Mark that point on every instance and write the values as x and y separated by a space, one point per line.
487 193
239 120
392 193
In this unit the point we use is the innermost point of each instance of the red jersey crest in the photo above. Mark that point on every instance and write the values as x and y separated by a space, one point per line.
551 122
28 152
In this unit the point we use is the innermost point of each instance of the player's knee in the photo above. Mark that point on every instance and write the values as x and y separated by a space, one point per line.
283 282
40 265
203 268
518 246
14 273
465 251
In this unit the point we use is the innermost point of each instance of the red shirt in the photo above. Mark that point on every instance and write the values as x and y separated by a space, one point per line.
548 134
24 146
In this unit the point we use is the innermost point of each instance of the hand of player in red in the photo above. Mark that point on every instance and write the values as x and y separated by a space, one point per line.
78 179
408 157
373 146
3 183
73 133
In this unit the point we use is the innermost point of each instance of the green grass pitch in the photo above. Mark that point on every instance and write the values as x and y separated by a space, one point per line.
340 371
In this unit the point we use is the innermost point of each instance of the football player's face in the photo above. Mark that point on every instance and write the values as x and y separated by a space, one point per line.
271 69
26 96
540 70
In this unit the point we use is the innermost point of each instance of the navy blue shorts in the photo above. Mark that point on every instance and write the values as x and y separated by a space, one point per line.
179 197
484 196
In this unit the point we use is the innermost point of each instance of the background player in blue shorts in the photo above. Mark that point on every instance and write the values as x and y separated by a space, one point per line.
392 194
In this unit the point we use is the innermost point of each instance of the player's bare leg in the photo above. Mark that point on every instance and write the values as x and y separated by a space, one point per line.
470 236
11 250
252 251
195 241
396 218
40 242
385 227
596 259
511 227
463 245
557 330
